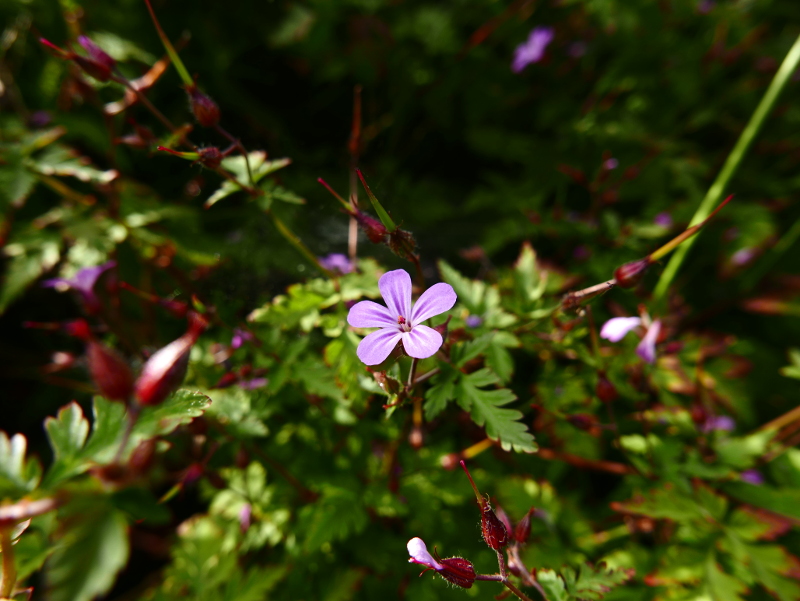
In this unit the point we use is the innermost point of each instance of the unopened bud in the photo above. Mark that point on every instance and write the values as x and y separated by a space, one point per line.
205 110
165 370
630 274
109 371
457 570
374 229
494 532
503 517
523 529
605 390
402 243
582 421
210 157
142 457
103 63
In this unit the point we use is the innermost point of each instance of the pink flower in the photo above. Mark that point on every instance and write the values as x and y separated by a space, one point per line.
419 554
337 263
616 328
456 570
83 282
398 321
532 50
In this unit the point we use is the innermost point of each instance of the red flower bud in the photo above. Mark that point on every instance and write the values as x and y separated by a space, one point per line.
494 532
210 157
503 517
165 370
457 570
523 529
582 421
402 243
374 229
103 64
630 274
109 371
205 110
605 390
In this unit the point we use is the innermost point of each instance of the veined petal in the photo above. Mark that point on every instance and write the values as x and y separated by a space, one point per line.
435 300
395 287
375 347
421 342
647 347
616 328
368 314
419 554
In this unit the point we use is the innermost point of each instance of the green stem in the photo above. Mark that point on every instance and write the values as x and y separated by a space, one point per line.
9 569
771 257
173 54
295 241
387 221
715 192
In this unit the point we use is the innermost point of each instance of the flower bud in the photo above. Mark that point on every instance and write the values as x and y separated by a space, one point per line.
109 371
630 274
205 110
582 421
165 370
494 532
402 243
143 455
209 157
374 229
605 390
523 529
99 64
503 517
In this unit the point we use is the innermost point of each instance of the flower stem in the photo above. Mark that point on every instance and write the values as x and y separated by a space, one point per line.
733 161
295 241
387 221
9 569
173 54
517 592
411 373
478 496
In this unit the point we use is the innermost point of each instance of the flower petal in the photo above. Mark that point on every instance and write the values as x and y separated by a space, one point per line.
647 347
435 300
375 347
616 328
395 287
419 554
368 314
422 342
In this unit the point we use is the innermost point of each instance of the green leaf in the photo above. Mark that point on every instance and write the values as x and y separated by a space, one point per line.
67 434
470 292
529 282
337 514
17 475
63 161
592 583
29 257
783 501
792 370
90 552
442 391
720 585
236 165
554 586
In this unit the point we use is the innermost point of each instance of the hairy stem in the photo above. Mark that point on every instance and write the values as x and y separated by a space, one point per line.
733 161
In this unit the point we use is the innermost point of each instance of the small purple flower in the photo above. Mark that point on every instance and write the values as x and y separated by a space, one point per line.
473 321
244 517
743 256
611 163
532 51
720 423
337 262
663 219
419 554
399 322
240 337
753 477
705 6
253 383
83 282
616 328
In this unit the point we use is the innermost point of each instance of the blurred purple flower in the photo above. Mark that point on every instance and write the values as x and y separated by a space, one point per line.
473 321
244 517
616 328
743 256
611 163
83 282
705 6
533 49
253 383
582 252
336 262
240 337
399 321
663 219
752 477
720 423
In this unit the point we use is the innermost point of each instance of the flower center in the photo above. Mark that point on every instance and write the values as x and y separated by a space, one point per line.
404 325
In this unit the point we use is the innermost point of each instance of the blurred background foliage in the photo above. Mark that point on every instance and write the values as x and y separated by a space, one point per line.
628 116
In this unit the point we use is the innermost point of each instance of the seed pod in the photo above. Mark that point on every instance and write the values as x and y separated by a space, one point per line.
494 532
374 229
503 517
457 570
630 274
205 110
523 529
210 157
109 371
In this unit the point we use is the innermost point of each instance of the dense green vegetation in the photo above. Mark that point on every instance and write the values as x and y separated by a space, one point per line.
188 414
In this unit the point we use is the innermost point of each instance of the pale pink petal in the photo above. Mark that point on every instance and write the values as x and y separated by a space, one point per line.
395 287
647 347
367 314
616 328
422 342
375 347
419 554
435 300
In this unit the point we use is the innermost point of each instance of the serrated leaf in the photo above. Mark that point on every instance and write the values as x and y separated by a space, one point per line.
554 586
67 434
90 552
18 476
338 513
720 585
470 292
593 583
442 391
30 256
62 161
529 282
236 165
783 501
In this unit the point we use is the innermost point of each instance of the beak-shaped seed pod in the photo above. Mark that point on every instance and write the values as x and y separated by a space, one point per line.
630 274
523 529
458 570
109 371
165 370
205 110
494 532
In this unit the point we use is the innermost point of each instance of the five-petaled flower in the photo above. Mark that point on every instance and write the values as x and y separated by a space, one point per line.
616 328
398 321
